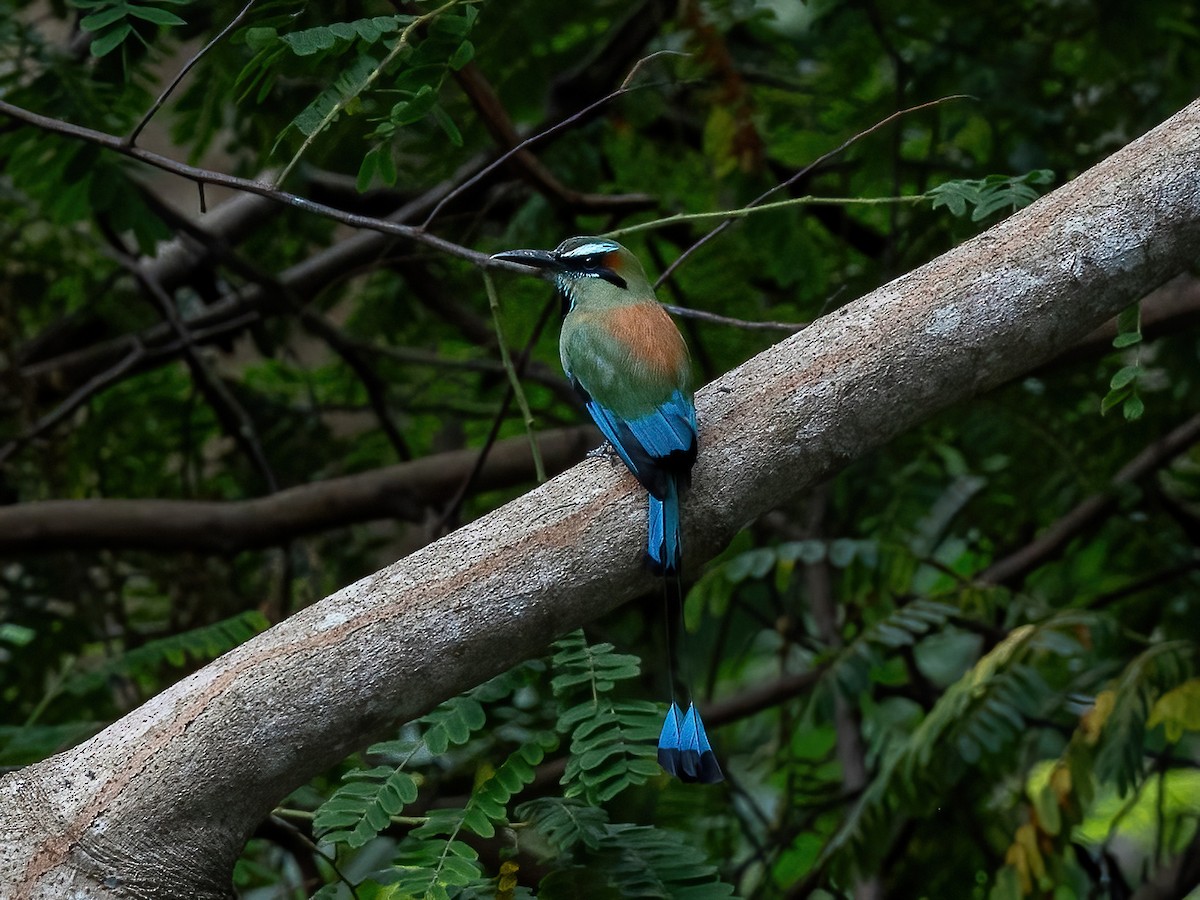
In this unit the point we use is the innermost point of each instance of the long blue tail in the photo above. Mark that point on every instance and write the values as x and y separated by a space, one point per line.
663 550
683 748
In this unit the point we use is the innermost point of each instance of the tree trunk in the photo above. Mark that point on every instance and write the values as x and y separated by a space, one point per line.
160 803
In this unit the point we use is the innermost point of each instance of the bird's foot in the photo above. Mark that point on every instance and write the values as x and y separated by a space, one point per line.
604 451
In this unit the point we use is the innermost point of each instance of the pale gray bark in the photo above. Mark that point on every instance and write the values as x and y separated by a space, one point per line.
160 803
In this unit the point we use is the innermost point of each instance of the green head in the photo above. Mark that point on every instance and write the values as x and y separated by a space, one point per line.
589 271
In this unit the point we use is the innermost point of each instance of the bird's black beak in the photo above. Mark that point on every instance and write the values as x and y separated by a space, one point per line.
535 259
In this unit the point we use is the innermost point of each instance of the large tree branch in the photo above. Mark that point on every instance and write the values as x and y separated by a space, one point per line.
167 795
403 491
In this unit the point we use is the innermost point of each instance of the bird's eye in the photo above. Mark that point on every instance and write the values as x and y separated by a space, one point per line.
592 262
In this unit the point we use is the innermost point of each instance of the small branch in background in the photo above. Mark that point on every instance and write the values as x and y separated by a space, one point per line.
136 353
220 321
701 315
800 174
415 357
499 124
851 752
1177 879
246 185
1012 568
744 211
313 322
94 385
372 382
542 135
469 482
404 491
230 412
131 139
514 380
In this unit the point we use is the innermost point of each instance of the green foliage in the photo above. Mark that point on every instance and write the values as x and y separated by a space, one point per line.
432 861
112 21
420 52
1177 710
973 723
1123 387
612 742
435 856
327 37
851 670
569 825
144 664
142 669
1148 677
984 196
631 860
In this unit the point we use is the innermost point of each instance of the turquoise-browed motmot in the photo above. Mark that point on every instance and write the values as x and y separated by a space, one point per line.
630 365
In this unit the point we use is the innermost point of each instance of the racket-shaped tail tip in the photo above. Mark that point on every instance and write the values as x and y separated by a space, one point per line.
684 750
668 741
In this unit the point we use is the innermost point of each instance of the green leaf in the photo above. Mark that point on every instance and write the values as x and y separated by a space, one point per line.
455 25
1129 319
99 20
310 41
367 170
447 124
408 111
1125 376
953 197
988 195
145 663
1133 408
157 16
1178 710
1114 398
1127 339
110 40
463 54
344 31
387 166
260 37
842 552
17 635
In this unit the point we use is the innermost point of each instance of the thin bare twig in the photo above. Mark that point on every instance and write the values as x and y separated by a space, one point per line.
800 174
131 139
514 380
453 506
744 211
499 125
85 392
246 185
686 312
229 411
1016 565
553 129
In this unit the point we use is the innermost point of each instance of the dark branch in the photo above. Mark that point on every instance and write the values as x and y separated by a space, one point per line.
1014 567
402 491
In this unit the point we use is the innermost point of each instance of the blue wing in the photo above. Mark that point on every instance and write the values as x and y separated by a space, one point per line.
655 446
659 450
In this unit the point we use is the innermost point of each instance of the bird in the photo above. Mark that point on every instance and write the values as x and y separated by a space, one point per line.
630 366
